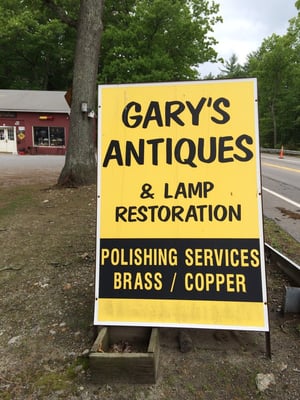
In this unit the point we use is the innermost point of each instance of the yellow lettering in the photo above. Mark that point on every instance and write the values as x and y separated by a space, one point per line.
138 283
234 258
148 281
220 279
208 282
189 260
208 257
104 256
199 257
173 257
158 281
187 282
127 280
244 258
254 258
230 283
117 280
240 283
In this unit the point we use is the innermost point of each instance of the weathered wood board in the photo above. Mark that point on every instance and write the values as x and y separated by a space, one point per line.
138 366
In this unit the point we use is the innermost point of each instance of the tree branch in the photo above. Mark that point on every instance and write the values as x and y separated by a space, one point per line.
60 12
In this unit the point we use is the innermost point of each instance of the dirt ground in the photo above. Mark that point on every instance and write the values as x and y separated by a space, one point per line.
46 305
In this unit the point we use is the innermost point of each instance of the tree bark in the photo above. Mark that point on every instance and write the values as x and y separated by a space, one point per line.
80 165
274 125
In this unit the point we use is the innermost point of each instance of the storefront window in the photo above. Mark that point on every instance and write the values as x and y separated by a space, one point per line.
48 136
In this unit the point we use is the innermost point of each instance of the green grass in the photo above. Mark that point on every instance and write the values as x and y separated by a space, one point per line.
14 200
50 382
281 240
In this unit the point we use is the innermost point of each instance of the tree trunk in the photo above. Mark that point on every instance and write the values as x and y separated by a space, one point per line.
80 165
274 125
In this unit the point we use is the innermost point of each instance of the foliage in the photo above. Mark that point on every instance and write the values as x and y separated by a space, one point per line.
157 40
143 41
270 65
36 48
232 69
276 65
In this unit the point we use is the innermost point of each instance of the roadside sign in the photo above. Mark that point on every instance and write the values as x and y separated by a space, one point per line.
179 225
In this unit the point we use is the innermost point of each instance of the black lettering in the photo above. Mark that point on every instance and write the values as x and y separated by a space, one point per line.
216 106
200 189
169 151
223 148
142 210
113 153
137 155
136 118
239 145
166 193
176 213
132 212
180 191
212 150
173 115
191 152
154 143
196 111
153 114
121 213
191 214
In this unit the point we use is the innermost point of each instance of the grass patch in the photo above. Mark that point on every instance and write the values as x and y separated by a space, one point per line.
12 201
63 381
281 240
52 382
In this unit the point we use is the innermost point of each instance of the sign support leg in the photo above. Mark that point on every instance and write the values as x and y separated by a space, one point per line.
268 344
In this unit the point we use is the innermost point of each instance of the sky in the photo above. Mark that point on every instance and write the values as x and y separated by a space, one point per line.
246 23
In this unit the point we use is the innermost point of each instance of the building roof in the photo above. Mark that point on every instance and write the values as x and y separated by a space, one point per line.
33 101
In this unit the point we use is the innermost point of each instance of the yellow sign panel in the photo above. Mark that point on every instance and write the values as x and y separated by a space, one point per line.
179 235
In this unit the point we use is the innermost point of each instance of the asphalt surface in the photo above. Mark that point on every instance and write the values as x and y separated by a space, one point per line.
281 192
17 169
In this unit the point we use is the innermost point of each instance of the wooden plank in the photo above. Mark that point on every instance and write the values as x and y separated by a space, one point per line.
134 367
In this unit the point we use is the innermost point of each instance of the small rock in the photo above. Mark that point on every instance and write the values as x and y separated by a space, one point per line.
78 368
67 286
41 284
85 256
14 340
263 381
85 353
60 392
283 367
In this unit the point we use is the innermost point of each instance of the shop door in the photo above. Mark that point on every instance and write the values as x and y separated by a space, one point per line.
8 142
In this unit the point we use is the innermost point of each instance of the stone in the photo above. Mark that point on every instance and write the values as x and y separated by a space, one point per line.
263 381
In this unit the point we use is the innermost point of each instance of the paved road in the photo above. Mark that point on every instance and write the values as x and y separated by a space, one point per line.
281 192
16 169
